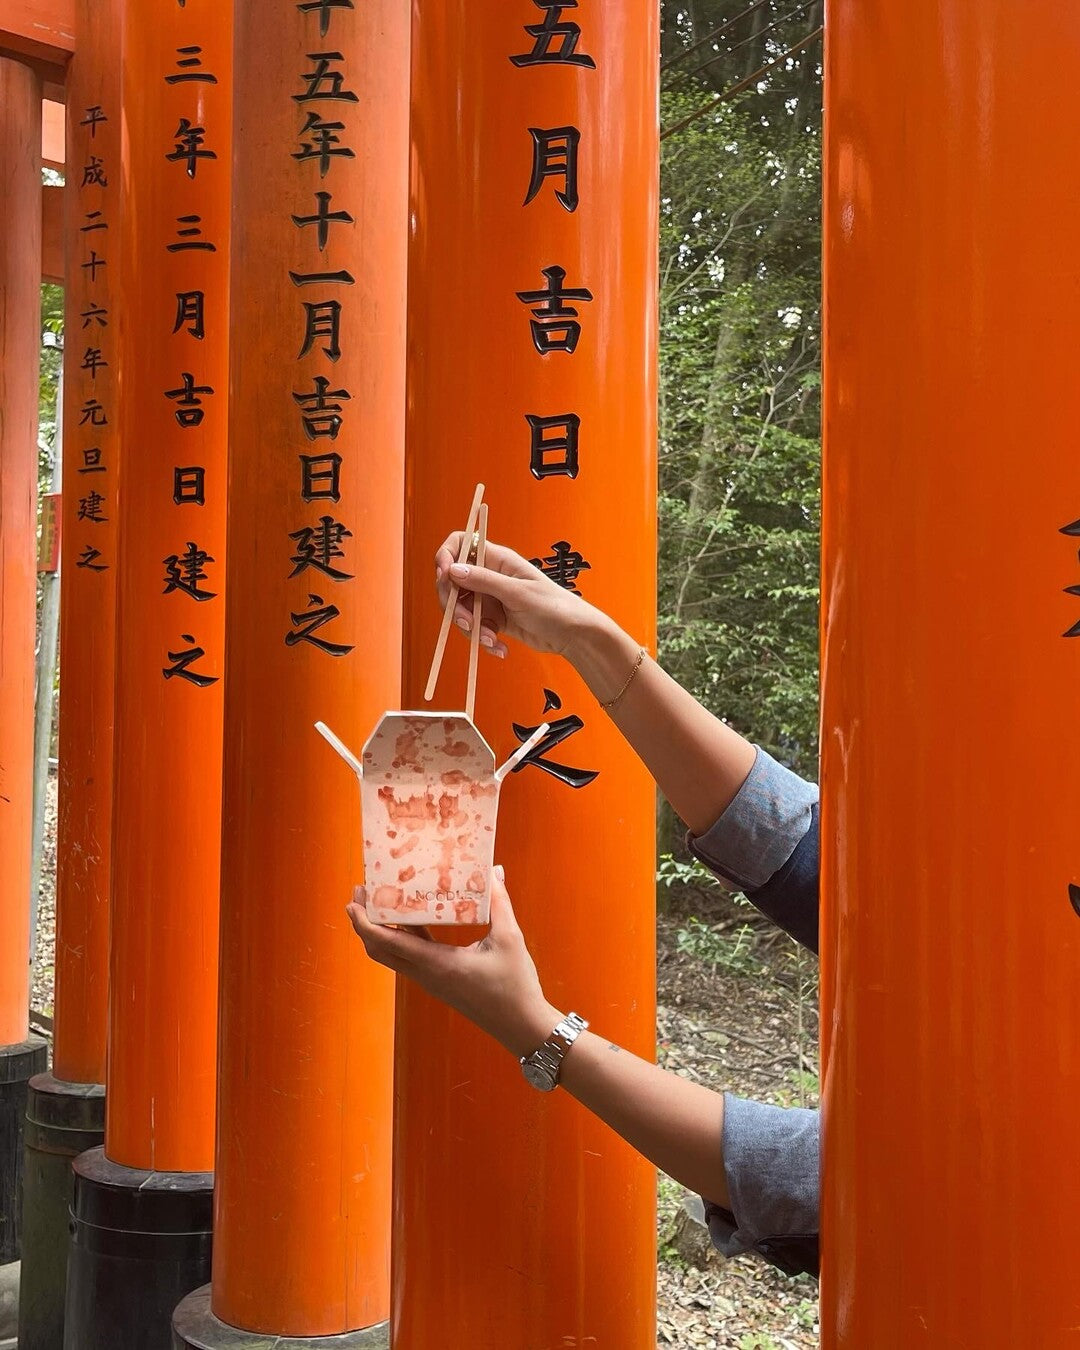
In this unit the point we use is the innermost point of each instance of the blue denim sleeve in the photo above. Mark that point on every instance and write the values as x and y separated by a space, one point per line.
766 844
771 1160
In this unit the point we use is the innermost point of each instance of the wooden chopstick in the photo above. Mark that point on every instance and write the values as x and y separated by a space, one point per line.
455 591
522 750
477 615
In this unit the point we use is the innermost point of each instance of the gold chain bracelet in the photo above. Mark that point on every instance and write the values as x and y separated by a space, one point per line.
611 703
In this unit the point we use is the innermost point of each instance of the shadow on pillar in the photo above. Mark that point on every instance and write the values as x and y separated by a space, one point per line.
62 1121
196 1328
140 1241
18 1064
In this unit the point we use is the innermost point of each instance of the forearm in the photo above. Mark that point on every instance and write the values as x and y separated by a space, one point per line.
677 1125
698 762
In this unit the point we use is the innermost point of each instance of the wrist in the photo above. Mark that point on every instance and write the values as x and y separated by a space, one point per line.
531 1029
604 656
593 640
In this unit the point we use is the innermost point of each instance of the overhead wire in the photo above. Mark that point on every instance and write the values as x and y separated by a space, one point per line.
709 37
742 84
753 37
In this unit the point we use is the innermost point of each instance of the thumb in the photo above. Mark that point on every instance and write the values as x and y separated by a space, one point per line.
504 922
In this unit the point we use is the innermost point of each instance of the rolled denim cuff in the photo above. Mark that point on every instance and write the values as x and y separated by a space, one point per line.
762 827
771 1161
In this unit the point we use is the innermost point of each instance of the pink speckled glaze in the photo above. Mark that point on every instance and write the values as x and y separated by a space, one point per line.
430 804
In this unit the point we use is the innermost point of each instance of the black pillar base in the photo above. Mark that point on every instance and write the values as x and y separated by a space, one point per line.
18 1064
62 1121
140 1241
196 1328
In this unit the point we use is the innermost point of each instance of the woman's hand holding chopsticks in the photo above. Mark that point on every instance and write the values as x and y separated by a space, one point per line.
519 601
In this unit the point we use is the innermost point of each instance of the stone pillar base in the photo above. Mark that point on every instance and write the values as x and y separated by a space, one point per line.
62 1121
140 1241
196 1328
18 1064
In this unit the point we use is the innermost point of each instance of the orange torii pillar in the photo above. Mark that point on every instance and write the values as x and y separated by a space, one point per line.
320 200
66 1108
951 724
155 1173
532 342
21 1055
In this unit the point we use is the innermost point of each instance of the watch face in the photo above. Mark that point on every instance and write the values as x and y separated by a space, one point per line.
538 1077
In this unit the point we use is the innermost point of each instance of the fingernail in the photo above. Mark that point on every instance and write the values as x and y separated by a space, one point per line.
500 872
465 626
359 895
500 652
486 640
459 570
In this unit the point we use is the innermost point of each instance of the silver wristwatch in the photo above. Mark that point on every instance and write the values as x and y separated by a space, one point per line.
541 1068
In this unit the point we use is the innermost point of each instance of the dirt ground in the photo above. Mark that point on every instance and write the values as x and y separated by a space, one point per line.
737 1011
746 1024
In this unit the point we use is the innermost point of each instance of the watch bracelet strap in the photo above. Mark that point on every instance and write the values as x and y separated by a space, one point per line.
552 1052
569 1029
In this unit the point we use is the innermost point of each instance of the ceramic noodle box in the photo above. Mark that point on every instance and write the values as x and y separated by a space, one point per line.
430 801
429 796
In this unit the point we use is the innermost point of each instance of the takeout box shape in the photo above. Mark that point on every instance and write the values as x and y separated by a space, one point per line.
430 802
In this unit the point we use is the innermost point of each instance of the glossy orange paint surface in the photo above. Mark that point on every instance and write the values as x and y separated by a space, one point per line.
52 235
20 339
88 546
302 1227
951 952
53 126
42 31
520 1220
170 587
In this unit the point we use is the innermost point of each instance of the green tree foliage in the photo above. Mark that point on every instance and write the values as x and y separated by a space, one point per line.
740 326
52 321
